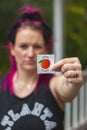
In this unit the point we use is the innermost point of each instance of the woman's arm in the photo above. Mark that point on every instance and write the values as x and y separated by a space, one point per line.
67 86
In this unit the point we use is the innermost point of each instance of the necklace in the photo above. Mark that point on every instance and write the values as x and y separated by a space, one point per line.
20 84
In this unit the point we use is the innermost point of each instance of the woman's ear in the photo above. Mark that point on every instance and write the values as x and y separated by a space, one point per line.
12 49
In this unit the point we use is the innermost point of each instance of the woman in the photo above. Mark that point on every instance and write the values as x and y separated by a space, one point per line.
30 101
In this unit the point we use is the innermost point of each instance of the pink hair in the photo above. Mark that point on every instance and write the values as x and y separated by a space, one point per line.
28 9
9 77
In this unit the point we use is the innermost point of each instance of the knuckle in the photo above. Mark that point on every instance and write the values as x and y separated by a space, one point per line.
64 68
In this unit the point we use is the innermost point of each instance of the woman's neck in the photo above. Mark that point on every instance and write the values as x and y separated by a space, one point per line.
26 77
24 83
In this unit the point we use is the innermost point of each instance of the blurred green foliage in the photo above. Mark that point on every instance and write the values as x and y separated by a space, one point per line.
75 26
76 30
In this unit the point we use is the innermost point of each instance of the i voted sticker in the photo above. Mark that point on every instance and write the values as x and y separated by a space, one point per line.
44 63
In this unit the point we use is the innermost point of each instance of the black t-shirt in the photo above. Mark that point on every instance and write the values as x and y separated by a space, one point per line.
38 111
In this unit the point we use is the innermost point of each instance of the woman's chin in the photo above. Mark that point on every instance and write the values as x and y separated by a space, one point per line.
30 68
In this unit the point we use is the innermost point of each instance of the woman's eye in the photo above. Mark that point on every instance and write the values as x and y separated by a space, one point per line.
37 46
23 46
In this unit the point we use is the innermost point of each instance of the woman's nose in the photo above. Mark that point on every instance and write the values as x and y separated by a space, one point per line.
30 52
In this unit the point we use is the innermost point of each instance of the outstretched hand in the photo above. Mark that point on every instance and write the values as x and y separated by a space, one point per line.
71 69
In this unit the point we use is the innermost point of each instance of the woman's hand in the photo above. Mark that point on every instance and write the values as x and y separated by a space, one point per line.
71 69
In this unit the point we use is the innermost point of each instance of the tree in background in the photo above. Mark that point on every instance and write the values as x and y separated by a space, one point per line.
76 30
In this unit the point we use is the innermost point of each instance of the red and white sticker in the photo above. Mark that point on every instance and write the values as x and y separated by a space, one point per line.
44 63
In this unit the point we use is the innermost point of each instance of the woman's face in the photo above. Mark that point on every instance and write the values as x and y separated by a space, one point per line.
28 43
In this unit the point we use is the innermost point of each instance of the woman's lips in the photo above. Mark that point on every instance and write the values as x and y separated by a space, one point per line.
30 62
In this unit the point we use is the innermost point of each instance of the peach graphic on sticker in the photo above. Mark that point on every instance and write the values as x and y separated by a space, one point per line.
45 63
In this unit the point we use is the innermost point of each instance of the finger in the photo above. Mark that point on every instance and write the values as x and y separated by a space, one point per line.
67 67
73 74
71 60
57 66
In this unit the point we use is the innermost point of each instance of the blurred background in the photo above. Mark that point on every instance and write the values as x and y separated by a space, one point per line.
75 24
